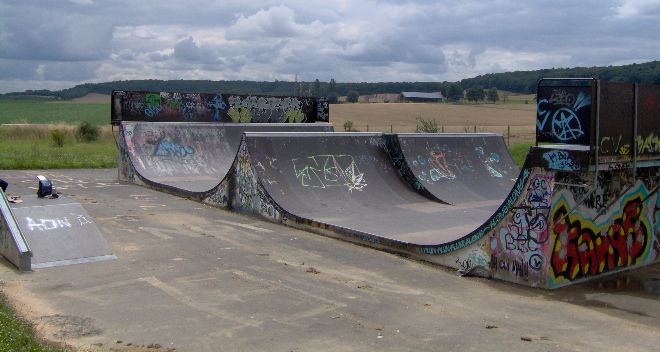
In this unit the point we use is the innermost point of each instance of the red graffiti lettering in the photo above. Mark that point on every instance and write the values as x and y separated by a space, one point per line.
579 251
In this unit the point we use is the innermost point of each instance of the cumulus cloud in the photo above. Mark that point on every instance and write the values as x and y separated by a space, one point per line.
277 22
634 8
369 40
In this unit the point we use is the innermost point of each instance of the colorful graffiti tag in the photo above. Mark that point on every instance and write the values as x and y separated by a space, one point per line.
582 248
442 164
204 107
561 160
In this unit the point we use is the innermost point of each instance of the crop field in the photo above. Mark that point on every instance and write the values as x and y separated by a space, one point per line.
50 111
517 118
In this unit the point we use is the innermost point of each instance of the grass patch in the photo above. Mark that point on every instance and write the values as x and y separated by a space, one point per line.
15 335
48 111
519 152
32 147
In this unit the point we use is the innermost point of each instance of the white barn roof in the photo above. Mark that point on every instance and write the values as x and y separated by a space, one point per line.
421 95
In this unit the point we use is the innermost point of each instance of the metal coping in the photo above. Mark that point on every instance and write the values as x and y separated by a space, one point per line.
225 123
313 134
19 240
471 134
579 147
21 243
74 261
577 82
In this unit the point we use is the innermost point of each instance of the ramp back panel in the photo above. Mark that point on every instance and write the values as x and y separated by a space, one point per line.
212 107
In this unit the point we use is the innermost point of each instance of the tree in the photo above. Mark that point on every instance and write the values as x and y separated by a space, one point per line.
491 95
454 92
332 86
333 98
475 93
352 96
505 96
316 89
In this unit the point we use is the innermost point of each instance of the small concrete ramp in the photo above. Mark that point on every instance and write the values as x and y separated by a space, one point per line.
59 232
13 245
189 159
459 169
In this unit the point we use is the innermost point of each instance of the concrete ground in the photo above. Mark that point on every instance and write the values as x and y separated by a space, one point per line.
195 278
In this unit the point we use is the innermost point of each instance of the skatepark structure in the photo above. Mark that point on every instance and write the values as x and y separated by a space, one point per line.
585 203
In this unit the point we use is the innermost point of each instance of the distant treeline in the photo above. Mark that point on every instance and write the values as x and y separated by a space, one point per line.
517 82
525 81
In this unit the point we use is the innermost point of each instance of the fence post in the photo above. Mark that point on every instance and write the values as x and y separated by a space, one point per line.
443 128
475 128
391 131
508 135
367 128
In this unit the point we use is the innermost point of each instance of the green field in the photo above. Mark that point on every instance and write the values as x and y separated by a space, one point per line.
41 154
47 111
519 152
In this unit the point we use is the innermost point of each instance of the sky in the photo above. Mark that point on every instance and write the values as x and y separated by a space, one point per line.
56 44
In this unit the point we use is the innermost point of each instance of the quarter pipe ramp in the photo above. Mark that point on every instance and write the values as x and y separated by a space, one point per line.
459 169
343 180
188 159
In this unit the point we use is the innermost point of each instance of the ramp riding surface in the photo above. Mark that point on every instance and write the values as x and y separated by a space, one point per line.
346 180
460 169
191 158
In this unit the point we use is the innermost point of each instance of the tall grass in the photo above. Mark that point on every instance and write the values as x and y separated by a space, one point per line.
31 147
519 152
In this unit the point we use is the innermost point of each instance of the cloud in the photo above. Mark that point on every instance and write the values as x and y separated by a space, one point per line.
187 50
634 8
369 40
52 34
274 22
49 71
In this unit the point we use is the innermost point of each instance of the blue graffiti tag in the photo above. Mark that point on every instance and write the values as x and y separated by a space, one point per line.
169 149
561 160
565 123
218 105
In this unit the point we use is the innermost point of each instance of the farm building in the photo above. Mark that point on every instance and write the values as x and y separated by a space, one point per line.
422 97
380 98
